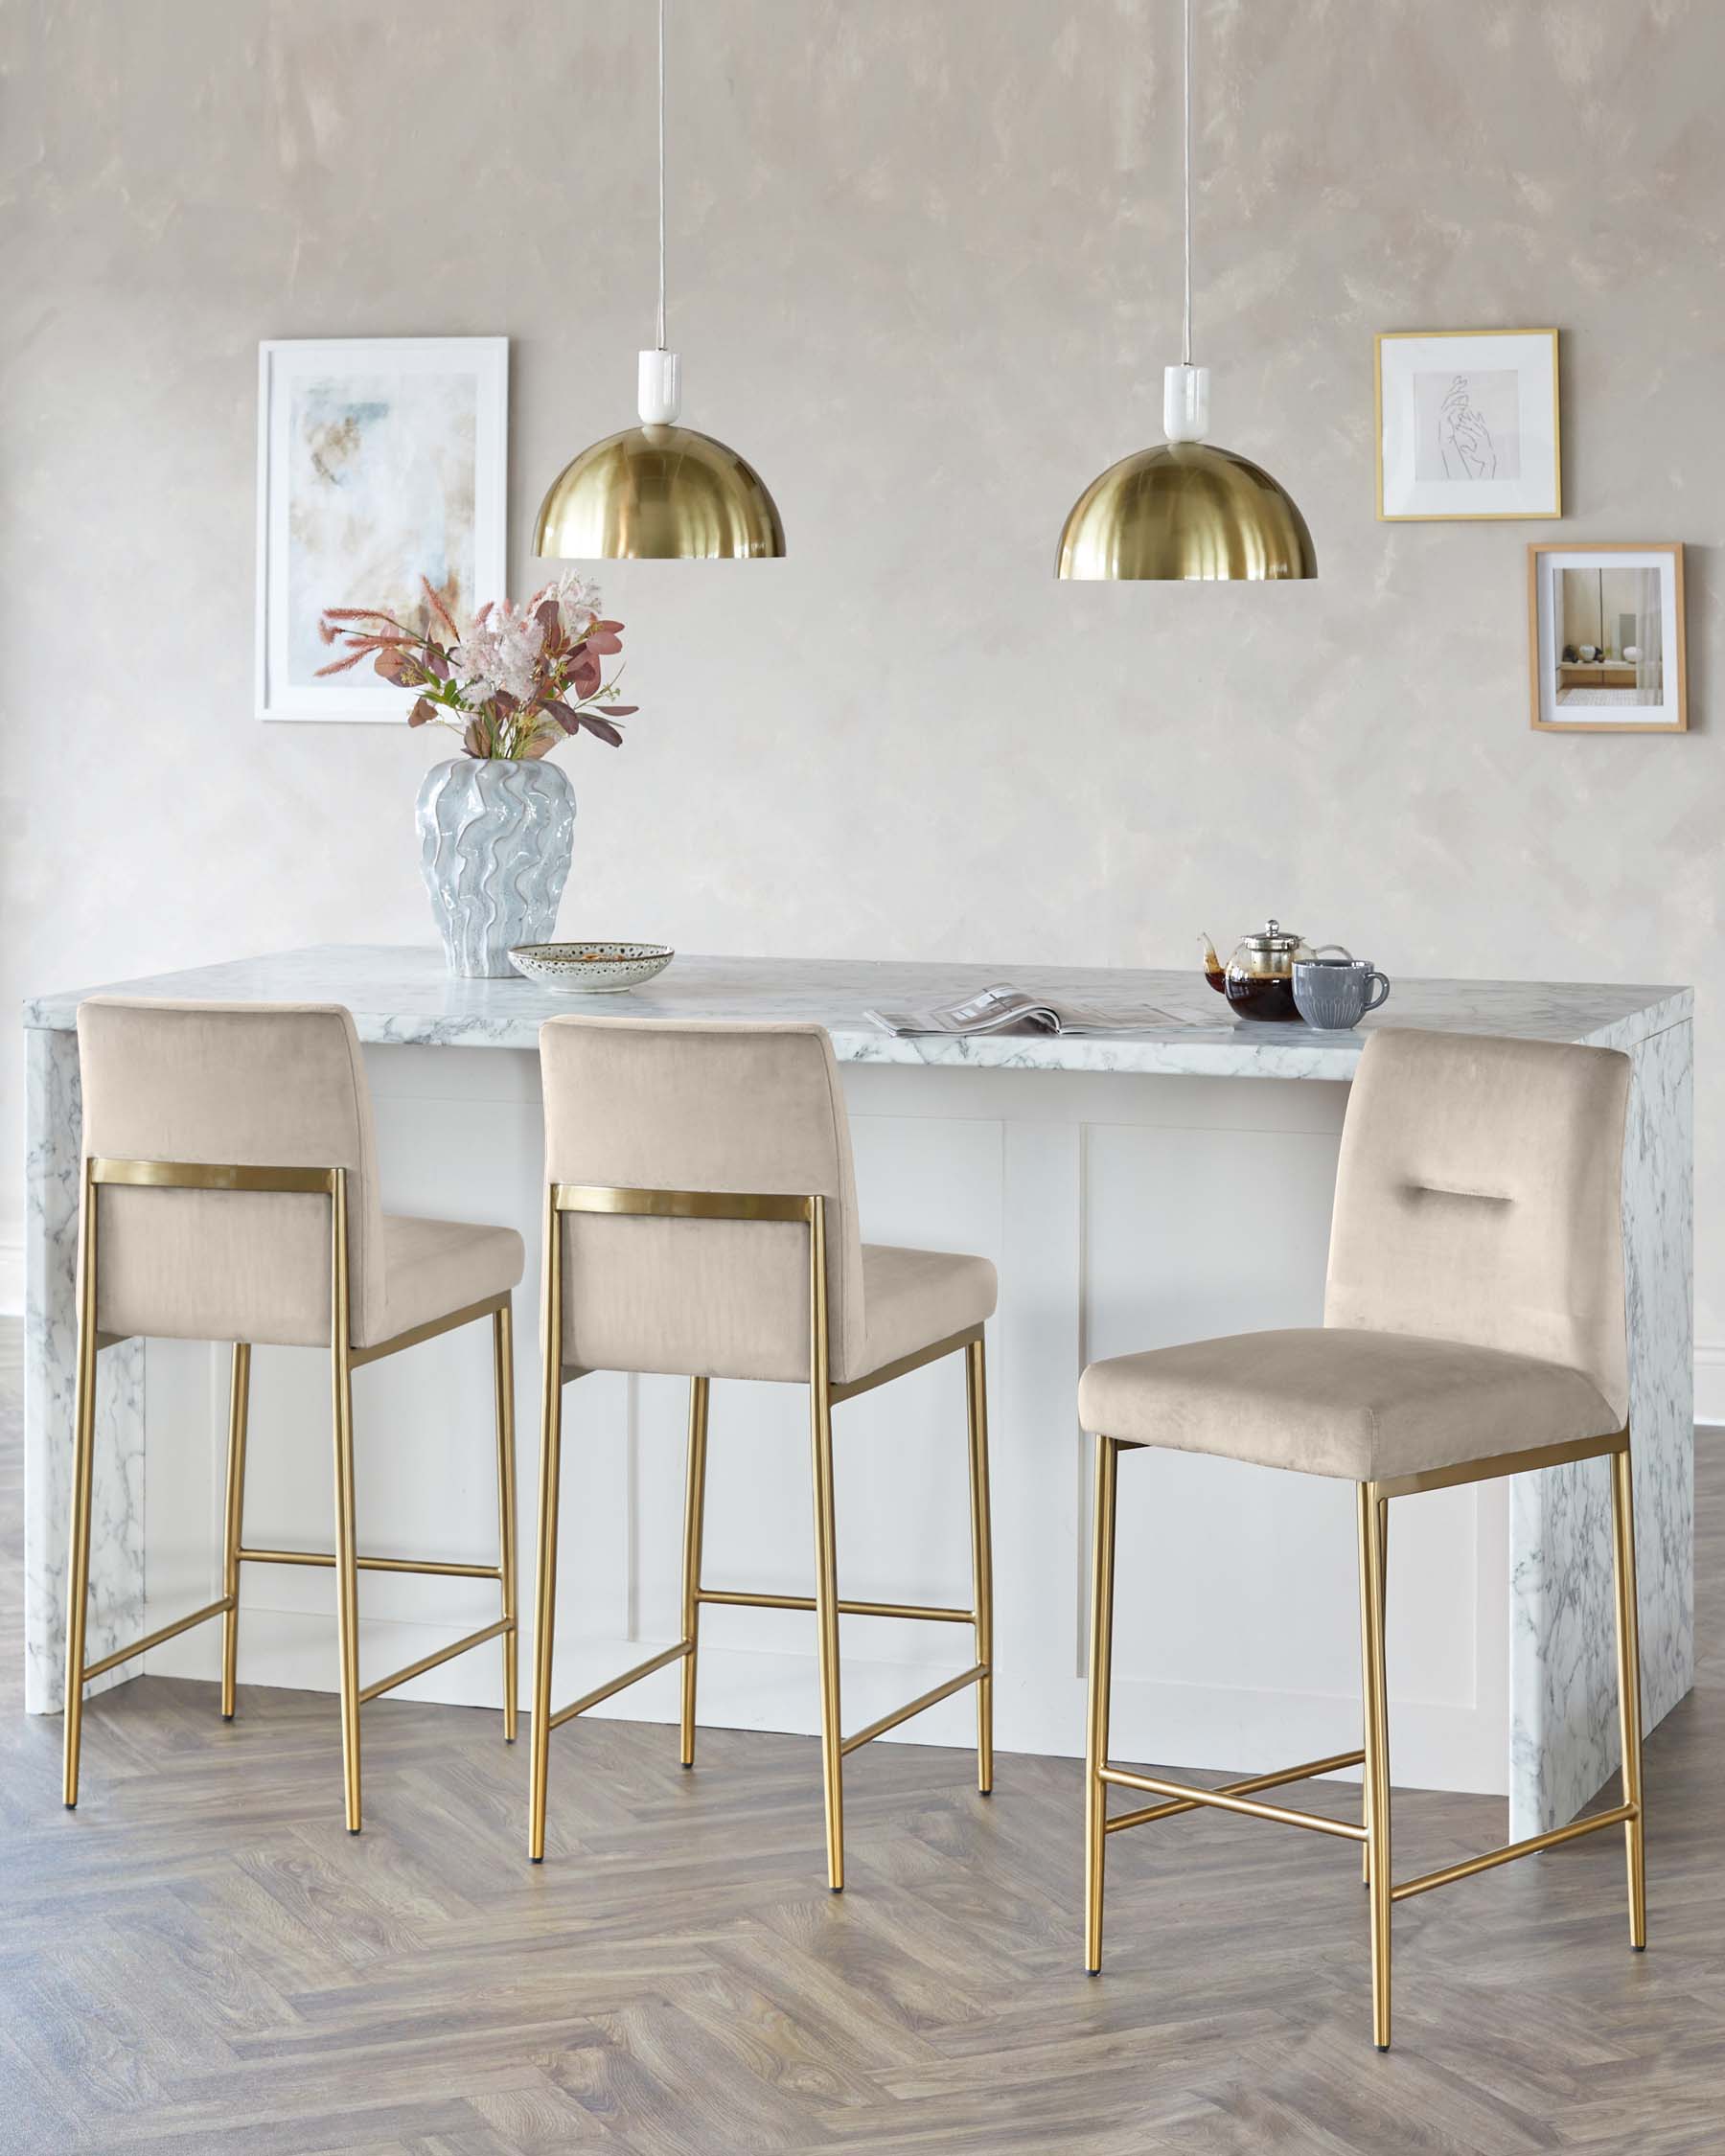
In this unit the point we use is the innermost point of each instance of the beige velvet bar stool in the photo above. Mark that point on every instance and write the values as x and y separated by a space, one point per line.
700 1221
1473 1326
230 1193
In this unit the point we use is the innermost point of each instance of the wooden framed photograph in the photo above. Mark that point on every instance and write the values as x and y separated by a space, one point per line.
1605 638
1467 425
379 460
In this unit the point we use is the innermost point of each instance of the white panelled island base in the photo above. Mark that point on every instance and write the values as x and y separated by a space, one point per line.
1134 1192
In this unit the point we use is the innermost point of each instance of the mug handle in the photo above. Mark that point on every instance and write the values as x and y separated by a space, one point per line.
1383 979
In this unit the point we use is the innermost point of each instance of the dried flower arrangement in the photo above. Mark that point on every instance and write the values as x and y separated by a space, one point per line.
514 684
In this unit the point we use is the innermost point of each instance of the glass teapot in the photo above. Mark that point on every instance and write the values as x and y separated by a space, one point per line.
1258 978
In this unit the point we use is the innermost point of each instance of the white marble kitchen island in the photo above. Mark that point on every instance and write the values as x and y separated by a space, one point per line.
1134 1190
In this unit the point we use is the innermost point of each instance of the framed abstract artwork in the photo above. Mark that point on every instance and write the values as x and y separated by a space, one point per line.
380 460
1605 638
1467 425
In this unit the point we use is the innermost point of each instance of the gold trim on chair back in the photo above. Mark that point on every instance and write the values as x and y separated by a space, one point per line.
676 1264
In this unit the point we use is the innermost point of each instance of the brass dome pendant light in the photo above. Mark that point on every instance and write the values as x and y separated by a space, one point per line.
1185 509
658 491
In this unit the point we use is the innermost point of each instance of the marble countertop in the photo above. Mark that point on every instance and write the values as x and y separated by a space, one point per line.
402 995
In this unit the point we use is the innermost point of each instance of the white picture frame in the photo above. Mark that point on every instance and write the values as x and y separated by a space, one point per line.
1606 638
415 429
1467 425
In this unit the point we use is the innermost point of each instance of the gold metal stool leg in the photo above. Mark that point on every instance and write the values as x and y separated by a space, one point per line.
826 1623
694 1520
233 1531
1364 1778
1628 1646
347 1565
545 1604
347 1590
975 1391
1101 1671
1372 1531
503 1379
826 1548
84 1472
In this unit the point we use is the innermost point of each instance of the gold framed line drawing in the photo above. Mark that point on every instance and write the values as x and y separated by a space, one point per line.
1605 638
1467 425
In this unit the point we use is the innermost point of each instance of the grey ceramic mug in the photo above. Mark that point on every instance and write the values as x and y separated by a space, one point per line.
1334 993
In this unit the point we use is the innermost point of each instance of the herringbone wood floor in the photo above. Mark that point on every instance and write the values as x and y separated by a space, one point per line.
202 1960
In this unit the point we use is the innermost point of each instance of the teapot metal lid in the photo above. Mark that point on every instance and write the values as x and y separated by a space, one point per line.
1272 937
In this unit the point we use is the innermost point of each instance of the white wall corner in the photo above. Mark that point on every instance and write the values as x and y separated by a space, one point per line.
1710 1382
12 1270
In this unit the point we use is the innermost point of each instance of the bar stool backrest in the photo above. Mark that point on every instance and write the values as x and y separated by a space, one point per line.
1479 1199
691 1106
230 1085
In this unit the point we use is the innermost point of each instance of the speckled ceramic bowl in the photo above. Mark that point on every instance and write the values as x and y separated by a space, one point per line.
591 969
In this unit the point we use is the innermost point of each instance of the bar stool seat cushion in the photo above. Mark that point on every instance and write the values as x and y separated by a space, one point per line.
913 1298
224 1265
1332 1399
432 1267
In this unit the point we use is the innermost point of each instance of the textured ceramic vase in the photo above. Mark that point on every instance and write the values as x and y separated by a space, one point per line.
495 838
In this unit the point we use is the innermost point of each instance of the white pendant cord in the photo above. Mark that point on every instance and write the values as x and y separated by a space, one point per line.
1186 342
1185 388
662 187
658 372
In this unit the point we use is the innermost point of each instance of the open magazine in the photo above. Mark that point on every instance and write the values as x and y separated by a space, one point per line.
1002 1007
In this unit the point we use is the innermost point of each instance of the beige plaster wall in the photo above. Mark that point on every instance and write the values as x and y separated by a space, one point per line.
925 259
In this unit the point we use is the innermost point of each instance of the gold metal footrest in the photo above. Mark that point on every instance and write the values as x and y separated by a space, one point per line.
1618 1815
431 1660
1313 1767
155 1639
1224 1800
904 1714
370 1564
619 1684
930 1613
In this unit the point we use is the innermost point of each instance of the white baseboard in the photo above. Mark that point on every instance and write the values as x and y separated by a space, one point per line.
11 1273
1710 1382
